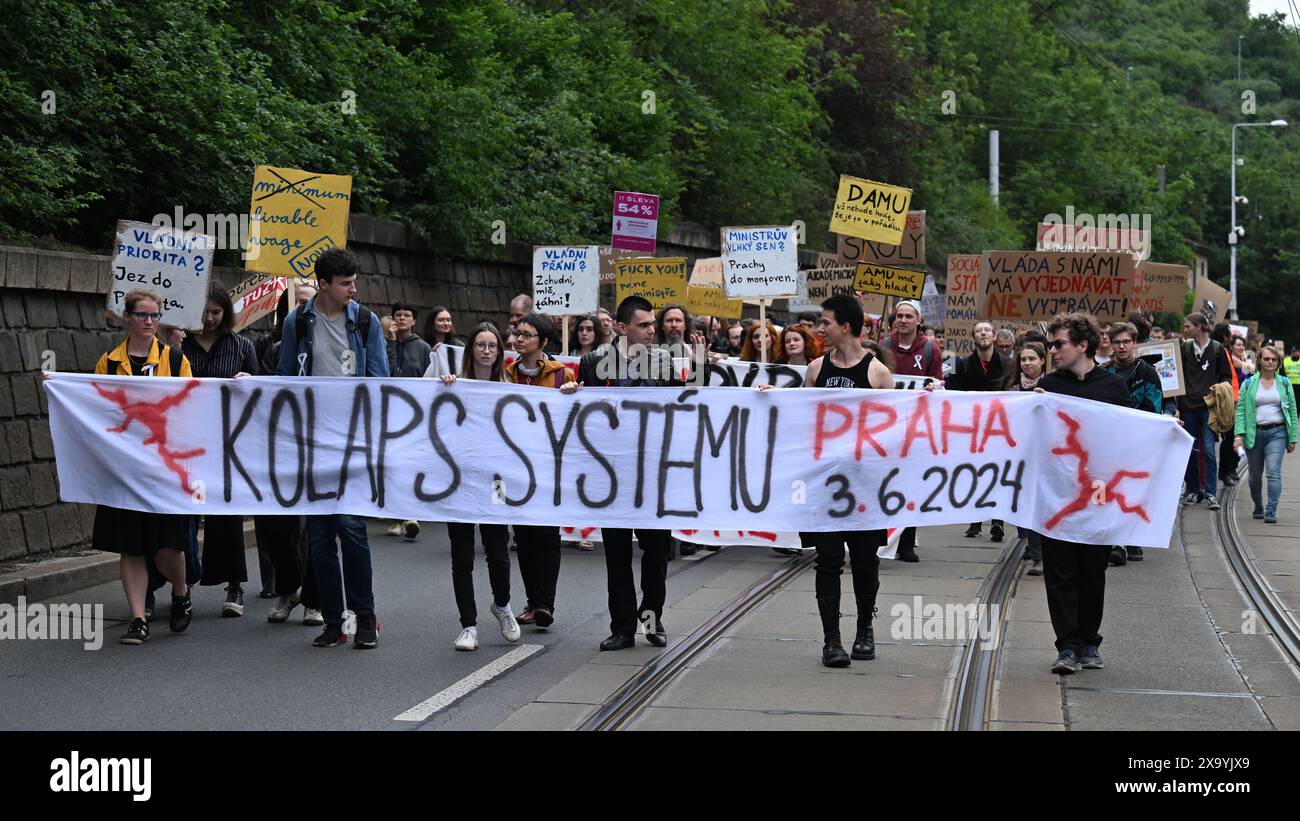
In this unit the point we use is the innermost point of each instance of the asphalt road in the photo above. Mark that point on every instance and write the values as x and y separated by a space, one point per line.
246 673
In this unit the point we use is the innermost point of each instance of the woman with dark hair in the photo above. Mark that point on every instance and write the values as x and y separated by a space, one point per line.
217 352
484 360
1026 368
136 535
759 336
586 335
440 333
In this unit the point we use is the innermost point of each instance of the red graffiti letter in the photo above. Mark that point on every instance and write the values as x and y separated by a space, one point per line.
821 434
997 413
864 432
922 414
946 426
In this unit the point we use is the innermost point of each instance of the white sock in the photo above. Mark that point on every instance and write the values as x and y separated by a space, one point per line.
505 609
472 630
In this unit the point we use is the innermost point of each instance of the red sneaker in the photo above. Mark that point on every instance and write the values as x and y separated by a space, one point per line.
526 617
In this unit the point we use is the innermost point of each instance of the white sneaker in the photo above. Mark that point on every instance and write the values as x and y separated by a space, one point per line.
410 529
396 529
280 613
468 639
312 618
509 626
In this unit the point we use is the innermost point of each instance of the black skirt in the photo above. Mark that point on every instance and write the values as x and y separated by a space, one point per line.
136 533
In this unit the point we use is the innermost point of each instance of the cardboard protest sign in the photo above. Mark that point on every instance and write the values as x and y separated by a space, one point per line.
168 261
1211 300
662 280
1168 362
636 221
254 297
932 304
1158 286
705 295
1114 234
608 254
760 261
961 308
295 216
910 251
1039 284
870 210
1252 326
820 284
566 280
903 283
1015 456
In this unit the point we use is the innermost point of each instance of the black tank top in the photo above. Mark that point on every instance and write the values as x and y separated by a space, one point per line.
858 376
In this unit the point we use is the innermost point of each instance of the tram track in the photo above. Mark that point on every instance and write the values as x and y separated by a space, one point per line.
972 700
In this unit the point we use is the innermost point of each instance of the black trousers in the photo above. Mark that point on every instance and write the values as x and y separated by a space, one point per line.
1229 461
907 539
539 563
623 609
1075 577
285 539
866 573
223 551
496 540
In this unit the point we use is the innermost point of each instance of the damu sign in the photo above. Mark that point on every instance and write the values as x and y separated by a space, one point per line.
716 458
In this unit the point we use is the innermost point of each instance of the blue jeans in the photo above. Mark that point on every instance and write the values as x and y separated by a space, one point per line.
351 532
1197 423
1270 446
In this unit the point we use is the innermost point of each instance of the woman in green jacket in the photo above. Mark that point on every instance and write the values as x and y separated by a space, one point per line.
1266 425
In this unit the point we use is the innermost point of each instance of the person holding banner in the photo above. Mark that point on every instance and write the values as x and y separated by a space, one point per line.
1027 368
610 366
409 356
981 371
1074 573
332 335
132 533
484 361
539 545
217 352
846 365
1205 364
1265 426
914 355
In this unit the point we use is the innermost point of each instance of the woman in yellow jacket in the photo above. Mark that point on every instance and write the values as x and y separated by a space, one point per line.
132 533
539 547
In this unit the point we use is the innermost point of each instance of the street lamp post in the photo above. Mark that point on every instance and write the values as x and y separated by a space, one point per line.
1237 231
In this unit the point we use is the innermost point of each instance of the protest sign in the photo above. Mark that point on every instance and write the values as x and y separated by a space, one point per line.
254 297
1239 330
635 222
1031 285
1211 300
1252 327
911 251
820 284
662 280
705 295
1114 234
903 283
608 254
566 280
1168 362
617 457
1158 286
760 261
870 210
932 304
961 308
295 216
168 261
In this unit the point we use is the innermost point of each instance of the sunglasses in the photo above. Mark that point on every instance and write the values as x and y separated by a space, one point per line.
1058 344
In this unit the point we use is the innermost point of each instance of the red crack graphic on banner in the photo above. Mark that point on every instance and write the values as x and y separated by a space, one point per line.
1086 490
153 415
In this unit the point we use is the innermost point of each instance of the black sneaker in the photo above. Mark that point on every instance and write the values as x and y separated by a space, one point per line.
1118 557
1035 568
234 606
137 633
367 636
1134 554
995 533
182 608
1091 659
331 636
972 532
1066 663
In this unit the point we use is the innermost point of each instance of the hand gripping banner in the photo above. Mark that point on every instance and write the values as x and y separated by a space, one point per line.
689 459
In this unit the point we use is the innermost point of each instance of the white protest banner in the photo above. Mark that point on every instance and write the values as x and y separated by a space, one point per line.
726 538
618 457
168 261
566 280
760 261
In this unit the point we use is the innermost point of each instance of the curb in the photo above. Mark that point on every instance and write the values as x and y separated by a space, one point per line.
55 577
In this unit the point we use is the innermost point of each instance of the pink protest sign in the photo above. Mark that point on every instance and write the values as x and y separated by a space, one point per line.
636 221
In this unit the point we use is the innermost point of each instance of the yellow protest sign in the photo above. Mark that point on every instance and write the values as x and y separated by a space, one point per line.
662 280
705 295
882 279
871 210
295 216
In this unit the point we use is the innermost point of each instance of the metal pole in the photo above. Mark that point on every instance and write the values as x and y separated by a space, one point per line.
993 164
1232 228
1240 37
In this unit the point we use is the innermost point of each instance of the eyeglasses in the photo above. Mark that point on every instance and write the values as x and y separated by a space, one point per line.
1121 342
485 346
1058 344
146 316
525 335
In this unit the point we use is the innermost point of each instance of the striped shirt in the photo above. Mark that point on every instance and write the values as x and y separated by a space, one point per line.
230 354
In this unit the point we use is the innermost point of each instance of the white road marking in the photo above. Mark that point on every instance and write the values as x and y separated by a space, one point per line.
469 684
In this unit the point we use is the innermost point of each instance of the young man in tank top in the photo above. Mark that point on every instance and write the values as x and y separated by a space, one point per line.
846 364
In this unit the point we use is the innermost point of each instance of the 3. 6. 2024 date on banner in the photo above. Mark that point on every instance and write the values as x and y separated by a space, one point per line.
958 487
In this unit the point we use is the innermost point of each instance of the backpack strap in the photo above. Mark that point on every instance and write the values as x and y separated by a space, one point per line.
927 357
174 360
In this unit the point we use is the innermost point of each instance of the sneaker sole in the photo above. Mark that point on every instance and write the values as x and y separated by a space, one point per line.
1034 573
1091 666
130 641
366 645
466 649
343 640
228 612
1064 669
